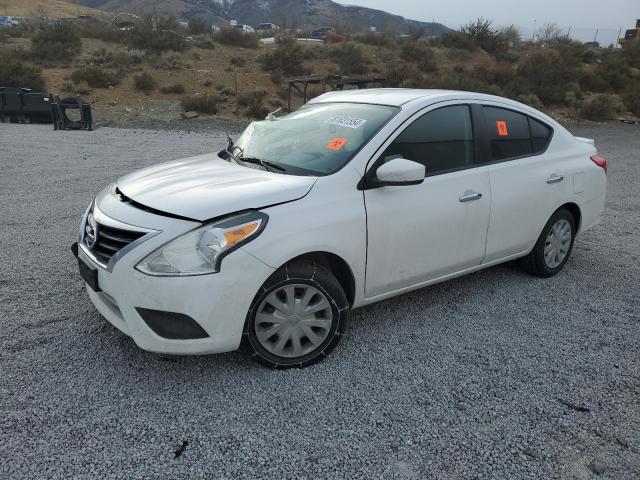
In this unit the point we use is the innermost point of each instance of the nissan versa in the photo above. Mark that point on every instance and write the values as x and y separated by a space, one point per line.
356 197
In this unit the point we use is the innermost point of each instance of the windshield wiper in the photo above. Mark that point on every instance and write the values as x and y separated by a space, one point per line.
265 163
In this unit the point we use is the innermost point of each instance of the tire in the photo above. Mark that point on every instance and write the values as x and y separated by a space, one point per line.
536 263
295 289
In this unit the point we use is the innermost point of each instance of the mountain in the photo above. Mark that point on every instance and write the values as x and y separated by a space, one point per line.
50 8
292 13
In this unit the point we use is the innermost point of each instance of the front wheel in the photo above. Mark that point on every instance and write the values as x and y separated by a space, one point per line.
297 317
553 247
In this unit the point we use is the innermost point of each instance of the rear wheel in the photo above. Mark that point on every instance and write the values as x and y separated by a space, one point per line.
297 317
554 246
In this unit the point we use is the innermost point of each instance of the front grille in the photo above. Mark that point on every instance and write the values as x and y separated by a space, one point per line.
110 241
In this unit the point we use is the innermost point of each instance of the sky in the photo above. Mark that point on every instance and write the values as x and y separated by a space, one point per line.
583 16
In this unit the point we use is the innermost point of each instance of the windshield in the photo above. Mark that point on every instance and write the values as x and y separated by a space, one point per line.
318 139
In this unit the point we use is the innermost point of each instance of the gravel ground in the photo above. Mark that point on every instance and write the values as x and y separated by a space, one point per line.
460 380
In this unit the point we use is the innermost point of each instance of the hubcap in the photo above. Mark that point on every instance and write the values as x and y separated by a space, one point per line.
293 320
557 244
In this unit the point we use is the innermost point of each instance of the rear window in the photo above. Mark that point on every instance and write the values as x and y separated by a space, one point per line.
508 133
514 134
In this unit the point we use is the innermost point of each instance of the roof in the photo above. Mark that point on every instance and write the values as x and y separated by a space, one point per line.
394 96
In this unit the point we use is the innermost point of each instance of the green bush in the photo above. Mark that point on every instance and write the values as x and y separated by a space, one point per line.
350 58
421 54
236 38
200 103
376 38
175 88
601 108
15 72
614 70
287 58
56 42
593 82
95 77
631 52
145 82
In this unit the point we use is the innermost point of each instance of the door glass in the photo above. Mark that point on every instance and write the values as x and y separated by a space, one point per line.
442 140
508 133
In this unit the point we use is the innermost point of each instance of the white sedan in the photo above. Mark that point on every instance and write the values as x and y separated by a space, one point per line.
356 197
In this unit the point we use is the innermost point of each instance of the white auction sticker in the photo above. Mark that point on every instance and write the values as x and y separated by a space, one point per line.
345 121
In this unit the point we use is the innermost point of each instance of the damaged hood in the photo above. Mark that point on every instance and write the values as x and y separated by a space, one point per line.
206 186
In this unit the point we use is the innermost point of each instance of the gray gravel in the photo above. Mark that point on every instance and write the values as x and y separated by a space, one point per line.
460 380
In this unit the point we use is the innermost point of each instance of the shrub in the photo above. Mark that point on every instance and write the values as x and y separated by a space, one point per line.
457 40
287 58
167 61
175 88
145 82
350 58
254 101
484 36
531 100
377 39
238 61
631 97
198 25
592 82
204 43
157 34
548 74
421 54
236 38
631 52
614 70
406 75
15 72
200 103
95 77
56 42
120 60
601 108
81 88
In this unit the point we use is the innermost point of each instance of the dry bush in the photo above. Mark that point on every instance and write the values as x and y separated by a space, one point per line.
287 58
254 103
55 42
631 97
350 58
95 76
15 72
238 61
200 103
601 108
145 82
236 38
175 88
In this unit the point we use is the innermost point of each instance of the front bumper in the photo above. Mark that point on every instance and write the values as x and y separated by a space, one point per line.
218 302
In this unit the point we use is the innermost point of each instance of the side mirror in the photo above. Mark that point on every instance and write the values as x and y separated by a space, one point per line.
399 172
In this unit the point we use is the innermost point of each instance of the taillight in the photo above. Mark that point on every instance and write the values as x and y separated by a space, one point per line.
601 162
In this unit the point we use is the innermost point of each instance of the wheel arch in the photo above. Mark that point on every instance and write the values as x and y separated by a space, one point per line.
338 266
574 209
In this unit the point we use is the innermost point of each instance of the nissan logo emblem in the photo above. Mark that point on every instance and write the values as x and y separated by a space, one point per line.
91 231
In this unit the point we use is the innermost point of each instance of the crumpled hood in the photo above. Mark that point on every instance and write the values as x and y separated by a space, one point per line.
206 186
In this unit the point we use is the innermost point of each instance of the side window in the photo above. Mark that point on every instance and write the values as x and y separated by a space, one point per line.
540 135
442 140
508 133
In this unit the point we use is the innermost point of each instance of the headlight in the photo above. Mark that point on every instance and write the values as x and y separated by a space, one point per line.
201 251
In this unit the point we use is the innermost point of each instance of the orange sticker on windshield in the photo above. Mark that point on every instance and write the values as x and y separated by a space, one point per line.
502 128
337 143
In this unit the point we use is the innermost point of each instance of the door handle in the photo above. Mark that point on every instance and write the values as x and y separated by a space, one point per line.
555 179
469 197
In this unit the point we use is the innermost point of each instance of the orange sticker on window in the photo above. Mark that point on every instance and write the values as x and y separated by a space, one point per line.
502 128
337 143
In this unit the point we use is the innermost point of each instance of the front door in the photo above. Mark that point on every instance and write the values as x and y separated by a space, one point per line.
422 232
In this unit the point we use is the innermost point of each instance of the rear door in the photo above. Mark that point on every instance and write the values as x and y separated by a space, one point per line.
421 232
527 182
